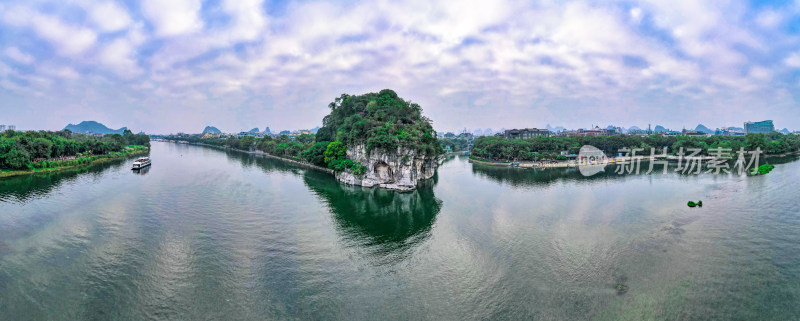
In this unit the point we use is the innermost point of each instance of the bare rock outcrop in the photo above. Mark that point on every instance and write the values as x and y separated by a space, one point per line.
400 169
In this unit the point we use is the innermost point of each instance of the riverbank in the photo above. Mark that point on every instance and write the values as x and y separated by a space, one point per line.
524 164
257 152
76 163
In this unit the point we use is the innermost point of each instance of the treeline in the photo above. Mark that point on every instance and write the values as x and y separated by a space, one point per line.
539 148
455 144
304 147
31 149
281 145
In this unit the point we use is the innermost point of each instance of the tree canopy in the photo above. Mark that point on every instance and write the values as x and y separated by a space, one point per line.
380 121
22 150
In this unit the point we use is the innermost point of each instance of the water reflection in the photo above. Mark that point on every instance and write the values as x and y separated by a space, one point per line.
25 188
523 177
520 177
141 171
264 163
387 224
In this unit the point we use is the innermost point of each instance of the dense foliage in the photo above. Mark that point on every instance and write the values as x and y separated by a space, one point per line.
492 147
44 149
379 121
455 144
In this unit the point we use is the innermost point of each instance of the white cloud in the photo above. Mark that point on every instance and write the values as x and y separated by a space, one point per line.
760 73
173 17
109 16
66 73
636 15
119 56
248 19
19 56
793 60
769 18
69 39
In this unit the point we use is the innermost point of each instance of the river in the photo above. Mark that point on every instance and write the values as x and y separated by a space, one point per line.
206 234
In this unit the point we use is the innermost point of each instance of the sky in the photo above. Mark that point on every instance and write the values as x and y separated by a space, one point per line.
180 65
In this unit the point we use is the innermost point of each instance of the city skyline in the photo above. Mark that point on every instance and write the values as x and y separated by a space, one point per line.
506 64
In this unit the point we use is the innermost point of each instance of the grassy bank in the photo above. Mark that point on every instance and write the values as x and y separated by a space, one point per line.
489 162
57 165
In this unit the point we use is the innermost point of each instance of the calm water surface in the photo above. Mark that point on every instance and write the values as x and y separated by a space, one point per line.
207 235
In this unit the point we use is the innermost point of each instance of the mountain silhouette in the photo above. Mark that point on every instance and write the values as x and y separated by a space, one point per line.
93 127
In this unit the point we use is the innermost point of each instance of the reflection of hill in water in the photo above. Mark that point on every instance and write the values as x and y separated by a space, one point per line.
385 223
520 177
27 187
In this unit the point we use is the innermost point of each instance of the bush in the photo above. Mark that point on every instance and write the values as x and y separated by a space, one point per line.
16 159
316 153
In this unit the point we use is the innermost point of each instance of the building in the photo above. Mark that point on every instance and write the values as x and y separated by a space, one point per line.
693 133
525 133
11 127
2 128
251 134
596 131
729 131
759 127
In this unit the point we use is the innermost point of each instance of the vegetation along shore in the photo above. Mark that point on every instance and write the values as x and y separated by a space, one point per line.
32 152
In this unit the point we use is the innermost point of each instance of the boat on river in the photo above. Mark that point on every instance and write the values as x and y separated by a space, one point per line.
141 162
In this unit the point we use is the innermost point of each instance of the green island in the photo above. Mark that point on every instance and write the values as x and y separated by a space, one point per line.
31 152
549 148
370 139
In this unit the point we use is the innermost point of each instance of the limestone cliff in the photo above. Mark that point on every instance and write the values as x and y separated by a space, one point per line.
400 169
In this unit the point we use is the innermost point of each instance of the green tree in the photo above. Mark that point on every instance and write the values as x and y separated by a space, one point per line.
41 148
335 151
316 153
754 141
16 159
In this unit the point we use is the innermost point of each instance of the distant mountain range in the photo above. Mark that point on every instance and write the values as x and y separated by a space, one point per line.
93 127
704 129
211 130
266 131
254 131
660 129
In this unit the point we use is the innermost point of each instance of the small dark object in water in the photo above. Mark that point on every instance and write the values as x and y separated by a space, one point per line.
693 204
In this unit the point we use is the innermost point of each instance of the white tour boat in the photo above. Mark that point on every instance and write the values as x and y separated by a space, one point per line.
140 163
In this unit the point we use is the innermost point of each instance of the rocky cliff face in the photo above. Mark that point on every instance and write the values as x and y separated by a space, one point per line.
400 169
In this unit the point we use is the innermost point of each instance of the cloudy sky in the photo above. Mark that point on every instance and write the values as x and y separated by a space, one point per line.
179 65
